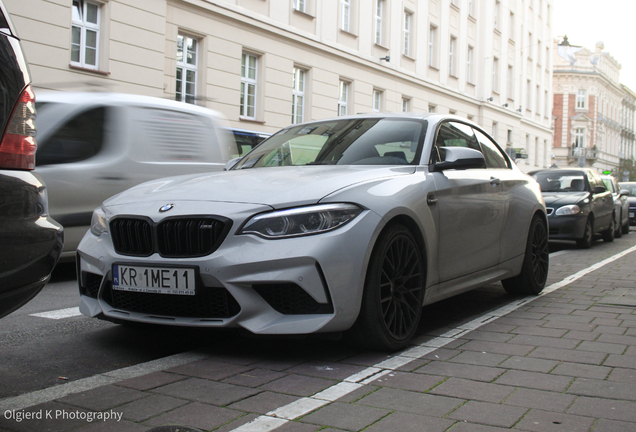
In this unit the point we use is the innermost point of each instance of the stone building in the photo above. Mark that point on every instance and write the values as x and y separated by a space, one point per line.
267 63
594 113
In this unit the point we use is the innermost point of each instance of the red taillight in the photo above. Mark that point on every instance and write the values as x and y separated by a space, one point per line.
17 149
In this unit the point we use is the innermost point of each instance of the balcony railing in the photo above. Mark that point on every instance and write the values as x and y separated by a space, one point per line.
582 152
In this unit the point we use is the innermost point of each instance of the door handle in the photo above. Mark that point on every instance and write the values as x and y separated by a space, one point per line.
495 181
431 200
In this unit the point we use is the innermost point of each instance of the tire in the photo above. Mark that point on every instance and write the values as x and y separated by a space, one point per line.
625 228
536 262
393 292
618 231
585 242
608 234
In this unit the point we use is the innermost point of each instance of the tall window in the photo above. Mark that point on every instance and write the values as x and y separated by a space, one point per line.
432 40
186 88
377 101
470 8
511 26
407 34
579 137
299 5
496 15
406 104
580 99
298 96
495 74
509 83
345 15
451 56
85 34
469 65
343 98
528 95
494 131
249 65
378 21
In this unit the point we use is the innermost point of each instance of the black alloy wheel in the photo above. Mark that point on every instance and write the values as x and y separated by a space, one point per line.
608 234
393 292
618 228
536 262
588 236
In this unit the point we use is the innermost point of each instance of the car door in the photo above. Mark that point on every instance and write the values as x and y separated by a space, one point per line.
470 209
602 203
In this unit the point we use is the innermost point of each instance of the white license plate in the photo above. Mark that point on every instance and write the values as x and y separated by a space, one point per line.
158 280
631 214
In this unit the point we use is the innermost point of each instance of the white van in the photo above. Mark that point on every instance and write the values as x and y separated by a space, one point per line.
92 146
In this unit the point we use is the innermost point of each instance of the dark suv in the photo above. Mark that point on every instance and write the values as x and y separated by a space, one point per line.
30 241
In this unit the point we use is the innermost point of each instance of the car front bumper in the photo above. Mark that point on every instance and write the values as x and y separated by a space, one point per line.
566 227
286 286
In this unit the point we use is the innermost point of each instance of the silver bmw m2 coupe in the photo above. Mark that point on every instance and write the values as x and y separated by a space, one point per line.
348 224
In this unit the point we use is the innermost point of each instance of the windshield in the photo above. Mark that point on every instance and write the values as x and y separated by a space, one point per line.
560 181
631 187
372 141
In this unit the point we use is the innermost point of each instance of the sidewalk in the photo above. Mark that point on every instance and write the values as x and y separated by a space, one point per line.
565 361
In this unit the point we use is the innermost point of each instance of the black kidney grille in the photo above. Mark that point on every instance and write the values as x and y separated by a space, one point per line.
189 237
171 238
207 303
132 236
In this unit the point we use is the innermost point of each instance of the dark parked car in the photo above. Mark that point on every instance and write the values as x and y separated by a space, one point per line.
579 205
31 241
621 205
630 187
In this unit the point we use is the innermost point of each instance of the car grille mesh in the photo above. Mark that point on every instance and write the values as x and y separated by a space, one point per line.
207 303
89 284
290 299
172 238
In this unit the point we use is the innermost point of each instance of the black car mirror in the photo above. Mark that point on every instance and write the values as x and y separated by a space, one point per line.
624 192
460 158
599 189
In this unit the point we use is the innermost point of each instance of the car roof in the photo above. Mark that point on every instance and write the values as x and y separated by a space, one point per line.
120 99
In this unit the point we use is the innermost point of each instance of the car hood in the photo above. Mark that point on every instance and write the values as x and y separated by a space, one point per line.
558 199
276 187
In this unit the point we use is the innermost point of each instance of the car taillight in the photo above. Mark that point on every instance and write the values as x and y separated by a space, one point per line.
17 148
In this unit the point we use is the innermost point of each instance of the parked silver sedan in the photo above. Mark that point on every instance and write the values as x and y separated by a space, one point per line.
348 224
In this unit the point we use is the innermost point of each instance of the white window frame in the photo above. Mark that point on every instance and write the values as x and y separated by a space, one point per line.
469 64
470 8
345 15
298 95
80 23
188 70
248 82
379 12
580 98
496 14
451 56
377 101
343 98
407 33
406 104
300 5
432 40
495 75
509 83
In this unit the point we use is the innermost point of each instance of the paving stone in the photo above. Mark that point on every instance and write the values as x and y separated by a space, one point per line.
488 414
582 370
569 325
153 405
254 377
472 427
543 341
603 389
615 330
196 415
367 358
349 417
622 361
330 370
358 394
534 380
548 421
482 335
573 356
298 385
495 326
208 369
604 425
442 354
408 381
263 403
407 422
103 398
497 348
210 392
604 408
448 369
617 339
479 358
527 314
582 335
472 390
508 320
539 331
540 399
150 381
413 402
622 375
109 426
529 364
44 423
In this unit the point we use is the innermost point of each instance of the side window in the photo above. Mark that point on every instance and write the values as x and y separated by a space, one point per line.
78 139
593 181
493 155
453 134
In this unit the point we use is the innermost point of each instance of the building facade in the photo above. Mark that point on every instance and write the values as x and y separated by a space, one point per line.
594 113
267 63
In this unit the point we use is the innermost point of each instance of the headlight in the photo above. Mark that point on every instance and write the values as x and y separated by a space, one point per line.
301 221
568 210
99 223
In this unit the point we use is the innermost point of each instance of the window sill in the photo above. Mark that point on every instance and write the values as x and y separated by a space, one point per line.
348 33
406 56
305 14
251 120
83 69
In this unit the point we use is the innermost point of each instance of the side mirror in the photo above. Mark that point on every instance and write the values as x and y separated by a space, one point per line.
460 158
624 192
229 164
599 189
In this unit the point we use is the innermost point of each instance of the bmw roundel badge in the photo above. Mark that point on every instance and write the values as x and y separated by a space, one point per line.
166 207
